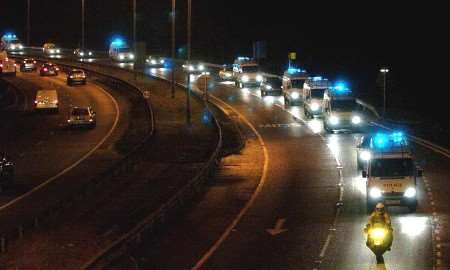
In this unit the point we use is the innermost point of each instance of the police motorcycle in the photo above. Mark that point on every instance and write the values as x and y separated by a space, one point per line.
379 239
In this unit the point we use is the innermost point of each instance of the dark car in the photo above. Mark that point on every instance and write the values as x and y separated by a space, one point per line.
271 86
6 171
28 64
76 76
49 69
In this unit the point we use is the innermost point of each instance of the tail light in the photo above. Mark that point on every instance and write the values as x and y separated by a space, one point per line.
46 69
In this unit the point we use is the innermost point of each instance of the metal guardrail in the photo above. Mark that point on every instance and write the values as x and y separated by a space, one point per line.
29 218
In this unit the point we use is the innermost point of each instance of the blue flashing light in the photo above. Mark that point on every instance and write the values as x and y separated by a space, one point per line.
398 137
10 36
383 140
317 78
118 42
380 140
243 58
292 70
341 88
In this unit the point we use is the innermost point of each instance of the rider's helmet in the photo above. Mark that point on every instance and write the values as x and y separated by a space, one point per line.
379 208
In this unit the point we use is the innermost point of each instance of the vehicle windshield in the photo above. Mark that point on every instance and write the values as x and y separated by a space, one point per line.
344 105
297 83
15 41
392 167
317 93
124 50
79 111
250 69
274 82
365 143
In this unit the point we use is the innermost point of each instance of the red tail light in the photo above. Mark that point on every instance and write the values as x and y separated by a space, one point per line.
45 69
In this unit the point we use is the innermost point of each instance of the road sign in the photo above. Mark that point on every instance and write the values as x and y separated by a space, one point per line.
292 56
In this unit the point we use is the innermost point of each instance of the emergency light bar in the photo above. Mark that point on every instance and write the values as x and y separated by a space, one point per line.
388 141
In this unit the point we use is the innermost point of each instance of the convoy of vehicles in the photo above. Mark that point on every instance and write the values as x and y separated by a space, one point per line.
271 86
391 172
49 69
28 64
82 117
313 92
120 51
11 43
341 111
46 100
76 76
293 83
246 73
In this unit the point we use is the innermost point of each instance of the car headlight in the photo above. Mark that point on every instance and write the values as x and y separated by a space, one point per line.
13 47
153 62
410 192
162 61
81 53
131 56
334 120
295 95
315 107
201 67
259 78
365 155
52 51
375 193
228 75
245 78
121 56
90 53
191 68
58 51
356 120
268 87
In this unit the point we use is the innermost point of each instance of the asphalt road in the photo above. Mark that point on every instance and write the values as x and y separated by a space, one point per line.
40 144
299 195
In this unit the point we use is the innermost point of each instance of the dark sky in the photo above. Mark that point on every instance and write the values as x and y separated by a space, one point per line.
340 39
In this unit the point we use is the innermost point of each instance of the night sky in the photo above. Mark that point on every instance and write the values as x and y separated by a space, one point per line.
341 40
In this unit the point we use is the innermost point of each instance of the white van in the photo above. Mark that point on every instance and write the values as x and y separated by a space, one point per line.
293 81
46 100
119 51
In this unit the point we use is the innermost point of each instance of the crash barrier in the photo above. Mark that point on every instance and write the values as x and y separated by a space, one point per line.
28 210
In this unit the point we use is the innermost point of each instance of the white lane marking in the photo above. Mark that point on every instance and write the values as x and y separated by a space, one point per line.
247 206
278 229
53 178
325 247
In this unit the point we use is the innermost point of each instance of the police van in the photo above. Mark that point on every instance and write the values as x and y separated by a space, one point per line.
119 51
293 82
313 92
11 43
246 72
341 111
391 172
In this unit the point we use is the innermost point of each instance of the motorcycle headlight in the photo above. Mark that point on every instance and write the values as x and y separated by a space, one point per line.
378 233
315 107
259 78
365 155
410 192
375 193
245 78
334 120
295 95
356 120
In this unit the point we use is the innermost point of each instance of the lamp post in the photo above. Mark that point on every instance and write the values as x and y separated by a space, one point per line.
82 26
384 71
173 49
189 30
134 25
28 21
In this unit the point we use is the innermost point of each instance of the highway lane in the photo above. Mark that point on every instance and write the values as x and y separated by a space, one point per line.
345 249
40 144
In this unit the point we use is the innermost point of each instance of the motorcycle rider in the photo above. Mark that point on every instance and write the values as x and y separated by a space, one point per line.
380 215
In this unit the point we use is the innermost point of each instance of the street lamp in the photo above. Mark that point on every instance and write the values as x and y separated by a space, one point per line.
384 71
189 30
82 26
173 49
134 25
28 21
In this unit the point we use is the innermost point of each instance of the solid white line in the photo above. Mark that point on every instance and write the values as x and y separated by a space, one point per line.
53 178
325 247
243 211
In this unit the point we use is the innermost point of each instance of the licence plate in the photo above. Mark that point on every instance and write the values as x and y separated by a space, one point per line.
392 201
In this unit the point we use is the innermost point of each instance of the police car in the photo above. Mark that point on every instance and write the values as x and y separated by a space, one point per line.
391 172
341 111
11 43
293 83
313 92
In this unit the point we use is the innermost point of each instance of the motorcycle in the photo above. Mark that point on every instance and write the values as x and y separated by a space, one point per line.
379 239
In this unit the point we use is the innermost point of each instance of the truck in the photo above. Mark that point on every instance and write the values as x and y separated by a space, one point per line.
392 172
293 84
46 100
313 92
246 72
